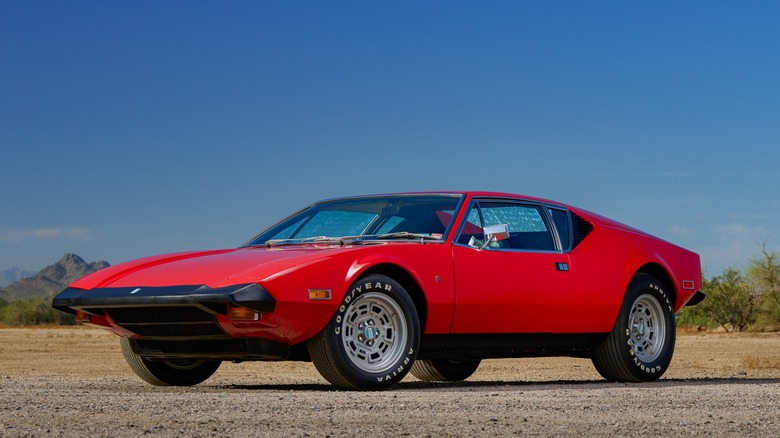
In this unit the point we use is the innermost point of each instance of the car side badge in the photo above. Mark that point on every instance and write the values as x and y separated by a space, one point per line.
561 266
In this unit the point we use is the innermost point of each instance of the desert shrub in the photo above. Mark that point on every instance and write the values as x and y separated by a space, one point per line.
695 316
737 300
33 311
764 271
731 303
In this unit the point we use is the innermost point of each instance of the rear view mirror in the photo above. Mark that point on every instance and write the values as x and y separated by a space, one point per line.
495 233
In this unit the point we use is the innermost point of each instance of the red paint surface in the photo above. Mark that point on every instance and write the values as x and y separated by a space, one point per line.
478 291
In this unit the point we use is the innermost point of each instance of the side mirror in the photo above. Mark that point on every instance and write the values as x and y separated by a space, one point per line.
495 233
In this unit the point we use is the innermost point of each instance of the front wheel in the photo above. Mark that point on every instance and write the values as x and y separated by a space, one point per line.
372 340
168 373
443 370
641 344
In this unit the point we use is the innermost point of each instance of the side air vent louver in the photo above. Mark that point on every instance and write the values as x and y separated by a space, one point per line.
580 228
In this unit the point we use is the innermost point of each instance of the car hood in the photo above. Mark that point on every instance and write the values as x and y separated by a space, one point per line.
211 268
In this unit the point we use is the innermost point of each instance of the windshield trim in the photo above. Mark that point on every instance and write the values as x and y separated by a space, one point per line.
362 238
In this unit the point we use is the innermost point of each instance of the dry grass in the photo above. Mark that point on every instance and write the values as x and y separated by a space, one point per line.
761 363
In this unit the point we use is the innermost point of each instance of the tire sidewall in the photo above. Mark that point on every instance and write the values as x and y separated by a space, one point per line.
162 373
398 369
647 371
454 371
186 376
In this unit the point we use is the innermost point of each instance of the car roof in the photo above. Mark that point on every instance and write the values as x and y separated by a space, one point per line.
469 193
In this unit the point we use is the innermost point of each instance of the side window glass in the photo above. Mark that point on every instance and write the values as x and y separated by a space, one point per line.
528 228
561 220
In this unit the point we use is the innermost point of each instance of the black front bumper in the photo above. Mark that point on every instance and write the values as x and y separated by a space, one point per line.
211 300
178 321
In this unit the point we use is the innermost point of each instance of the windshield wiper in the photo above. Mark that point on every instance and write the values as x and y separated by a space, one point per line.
406 235
275 242
351 239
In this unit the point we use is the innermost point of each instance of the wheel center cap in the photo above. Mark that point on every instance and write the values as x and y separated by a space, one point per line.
371 333
641 328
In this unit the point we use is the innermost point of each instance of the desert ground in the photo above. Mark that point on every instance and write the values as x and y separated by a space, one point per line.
73 381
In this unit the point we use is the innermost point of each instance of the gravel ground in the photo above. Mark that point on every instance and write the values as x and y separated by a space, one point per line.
73 381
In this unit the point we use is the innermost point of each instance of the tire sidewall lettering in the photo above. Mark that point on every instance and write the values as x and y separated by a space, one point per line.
399 370
659 294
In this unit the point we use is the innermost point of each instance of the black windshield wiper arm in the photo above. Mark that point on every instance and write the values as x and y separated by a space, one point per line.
406 235
275 242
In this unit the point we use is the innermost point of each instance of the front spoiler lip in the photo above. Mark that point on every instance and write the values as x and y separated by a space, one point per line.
213 300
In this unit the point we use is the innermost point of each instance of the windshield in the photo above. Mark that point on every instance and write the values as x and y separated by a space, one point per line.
426 217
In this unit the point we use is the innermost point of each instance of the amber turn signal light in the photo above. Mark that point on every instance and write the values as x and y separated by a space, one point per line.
319 294
242 314
82 316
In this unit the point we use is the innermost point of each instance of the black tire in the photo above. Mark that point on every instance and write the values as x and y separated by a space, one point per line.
168 373
372 340
442 370
641 344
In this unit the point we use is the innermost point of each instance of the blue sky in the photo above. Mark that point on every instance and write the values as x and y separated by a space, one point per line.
135 128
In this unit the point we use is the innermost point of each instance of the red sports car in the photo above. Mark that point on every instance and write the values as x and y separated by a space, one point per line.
370 288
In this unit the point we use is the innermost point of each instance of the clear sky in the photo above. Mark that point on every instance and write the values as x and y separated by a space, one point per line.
135 128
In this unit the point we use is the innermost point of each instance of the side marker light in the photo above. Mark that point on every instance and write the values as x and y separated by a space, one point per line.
319 294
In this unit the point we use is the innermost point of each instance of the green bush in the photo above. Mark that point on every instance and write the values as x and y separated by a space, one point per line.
731 300
738 300
33 311
765 272
695 316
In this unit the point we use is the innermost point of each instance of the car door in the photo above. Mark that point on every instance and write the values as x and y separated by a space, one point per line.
515 285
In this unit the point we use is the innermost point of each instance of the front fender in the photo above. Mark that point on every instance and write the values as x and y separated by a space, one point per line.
429 265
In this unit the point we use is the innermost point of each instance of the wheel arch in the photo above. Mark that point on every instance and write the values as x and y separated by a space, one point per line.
662 275
405 279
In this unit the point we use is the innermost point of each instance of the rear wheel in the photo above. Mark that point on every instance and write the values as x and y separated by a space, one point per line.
372 340
641 344
443 370
168 373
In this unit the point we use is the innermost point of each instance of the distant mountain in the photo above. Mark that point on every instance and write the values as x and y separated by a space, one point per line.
51 279
13 275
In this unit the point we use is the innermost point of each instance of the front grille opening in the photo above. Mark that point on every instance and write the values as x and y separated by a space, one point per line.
139 315
167 322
